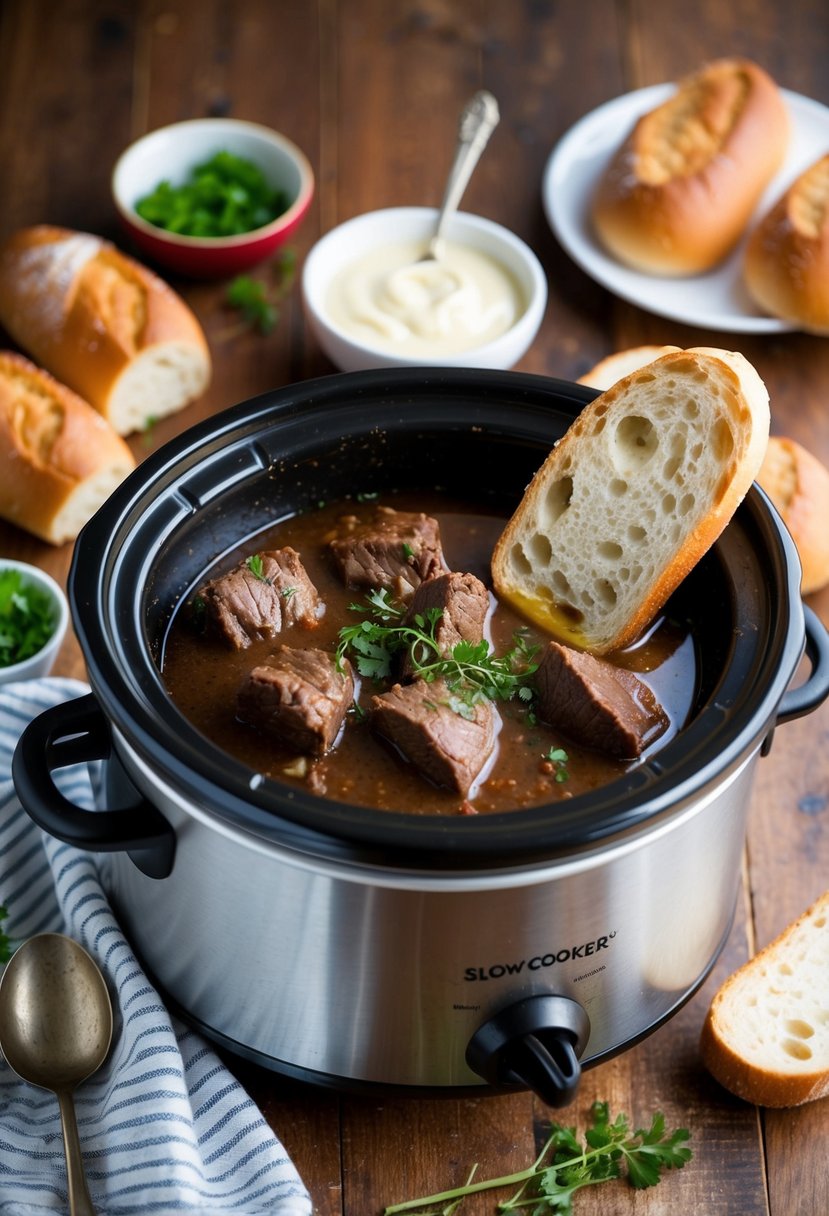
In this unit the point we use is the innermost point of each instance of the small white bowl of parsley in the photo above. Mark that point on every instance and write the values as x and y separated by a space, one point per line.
211 197
34 617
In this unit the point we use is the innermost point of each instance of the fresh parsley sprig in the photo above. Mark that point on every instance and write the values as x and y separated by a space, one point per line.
6 944
27 618
470 669
257 299
564 1165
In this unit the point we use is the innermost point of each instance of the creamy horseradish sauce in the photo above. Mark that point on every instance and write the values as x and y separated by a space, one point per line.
391 299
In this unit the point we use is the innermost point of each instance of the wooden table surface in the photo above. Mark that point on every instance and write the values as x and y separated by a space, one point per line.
370 89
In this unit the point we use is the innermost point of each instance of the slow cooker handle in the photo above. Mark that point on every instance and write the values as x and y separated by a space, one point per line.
75 732
812 692
534 1043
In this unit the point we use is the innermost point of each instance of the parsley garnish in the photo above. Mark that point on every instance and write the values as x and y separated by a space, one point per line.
6 947
558 757
256 566
471 670
225 196
257 300
27 618
564 1165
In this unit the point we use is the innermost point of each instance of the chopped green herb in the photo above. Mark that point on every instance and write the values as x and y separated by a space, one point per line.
27 618
470 670
225 196
288 592
558 757
258 300
408 551
257 568
368 496
564 1165
6 944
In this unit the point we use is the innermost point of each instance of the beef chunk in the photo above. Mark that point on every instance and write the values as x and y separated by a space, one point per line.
445 746
464 604
596 703
396 550
248 605
300 697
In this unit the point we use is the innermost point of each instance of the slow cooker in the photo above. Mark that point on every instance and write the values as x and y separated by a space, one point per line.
359 948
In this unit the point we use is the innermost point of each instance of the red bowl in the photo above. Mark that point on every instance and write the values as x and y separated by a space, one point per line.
170 153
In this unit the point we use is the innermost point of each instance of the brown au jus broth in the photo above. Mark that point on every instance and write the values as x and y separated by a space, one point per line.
203 676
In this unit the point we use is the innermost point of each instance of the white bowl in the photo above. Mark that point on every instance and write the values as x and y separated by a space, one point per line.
41 663
349 241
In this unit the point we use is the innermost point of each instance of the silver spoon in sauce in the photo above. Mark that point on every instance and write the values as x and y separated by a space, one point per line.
55 1031
478 120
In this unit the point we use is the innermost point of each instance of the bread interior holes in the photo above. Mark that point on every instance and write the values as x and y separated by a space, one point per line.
519 561
636 533
635 442
556 501
797 1049
618 488
610 550
799 1028
605 592
722 440
540 549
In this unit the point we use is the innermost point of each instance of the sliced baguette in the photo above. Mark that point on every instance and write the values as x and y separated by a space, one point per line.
630 499
766 1034
59 459
102 324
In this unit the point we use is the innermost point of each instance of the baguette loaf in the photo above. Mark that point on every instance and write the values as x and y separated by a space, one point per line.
680 191
627 502
607 371
786 267
102 324
766 1034
798 485
59 459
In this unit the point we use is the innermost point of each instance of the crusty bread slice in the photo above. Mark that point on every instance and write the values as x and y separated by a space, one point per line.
766 1034
59 459
604 374
642 484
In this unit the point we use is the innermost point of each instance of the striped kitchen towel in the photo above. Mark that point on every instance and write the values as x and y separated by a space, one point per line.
164 1126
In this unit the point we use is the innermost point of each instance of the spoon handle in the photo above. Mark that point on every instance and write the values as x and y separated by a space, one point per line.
79 1202
478 120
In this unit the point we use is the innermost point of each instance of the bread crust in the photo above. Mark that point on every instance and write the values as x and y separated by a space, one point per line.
680 191
544 594
59 458
786 265
780 1079
798 485
87 313
604 374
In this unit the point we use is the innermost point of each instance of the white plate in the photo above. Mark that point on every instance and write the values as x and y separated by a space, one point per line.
717 300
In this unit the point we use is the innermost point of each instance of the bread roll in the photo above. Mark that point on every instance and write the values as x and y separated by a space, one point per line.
766 1034
786 267
102 324
798 485
628 501
680 191
59 459
607 371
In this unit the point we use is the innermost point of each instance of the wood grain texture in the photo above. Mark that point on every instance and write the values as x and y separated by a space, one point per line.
371 90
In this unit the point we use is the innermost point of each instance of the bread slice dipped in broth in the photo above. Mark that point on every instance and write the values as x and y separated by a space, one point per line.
628 501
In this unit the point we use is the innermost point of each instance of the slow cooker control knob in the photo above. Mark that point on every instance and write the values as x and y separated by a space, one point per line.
534 1044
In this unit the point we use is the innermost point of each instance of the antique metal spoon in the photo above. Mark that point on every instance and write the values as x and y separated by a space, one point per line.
55 1031
478 120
